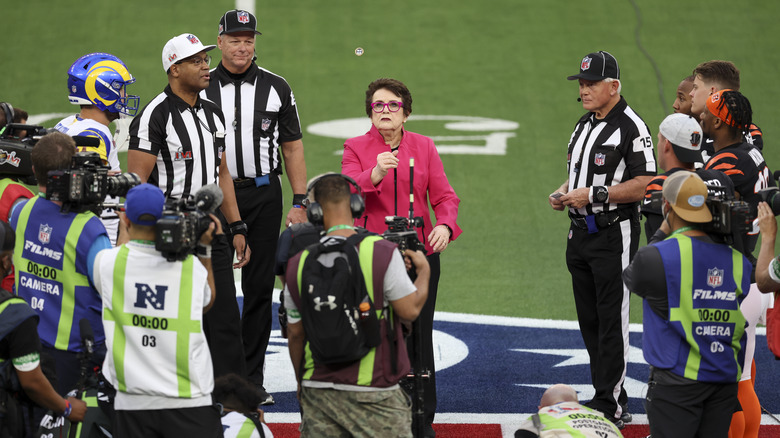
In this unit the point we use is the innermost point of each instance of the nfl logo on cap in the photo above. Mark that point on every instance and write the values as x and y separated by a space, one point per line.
243 17
193 39
585 63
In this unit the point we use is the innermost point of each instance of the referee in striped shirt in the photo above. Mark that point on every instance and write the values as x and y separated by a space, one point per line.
177 143
610 162
262 129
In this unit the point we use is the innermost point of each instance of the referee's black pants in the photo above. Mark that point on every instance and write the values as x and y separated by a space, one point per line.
426 347
221 323
261 210
596 262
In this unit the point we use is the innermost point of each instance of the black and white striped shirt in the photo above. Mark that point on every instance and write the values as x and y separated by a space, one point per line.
188 142
608 152
260 110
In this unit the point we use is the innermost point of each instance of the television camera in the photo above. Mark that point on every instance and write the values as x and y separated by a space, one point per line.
183 222
15 161
85 185
730 217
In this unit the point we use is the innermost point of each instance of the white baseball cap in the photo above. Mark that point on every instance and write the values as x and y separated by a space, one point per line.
182 47
685 135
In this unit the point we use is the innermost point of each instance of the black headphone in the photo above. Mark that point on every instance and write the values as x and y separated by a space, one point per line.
356 203
9 112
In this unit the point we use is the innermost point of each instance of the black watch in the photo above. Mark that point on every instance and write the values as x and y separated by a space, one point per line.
600 194
300 200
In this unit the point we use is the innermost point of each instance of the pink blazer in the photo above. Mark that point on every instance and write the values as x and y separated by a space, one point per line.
431 187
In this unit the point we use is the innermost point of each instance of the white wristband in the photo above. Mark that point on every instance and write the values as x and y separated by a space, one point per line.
203 251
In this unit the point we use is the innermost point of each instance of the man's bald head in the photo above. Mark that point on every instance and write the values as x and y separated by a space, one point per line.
557 394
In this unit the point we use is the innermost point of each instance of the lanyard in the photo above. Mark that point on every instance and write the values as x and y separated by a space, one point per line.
339 227
683 229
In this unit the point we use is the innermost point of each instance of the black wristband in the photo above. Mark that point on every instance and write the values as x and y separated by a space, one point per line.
238 227
298 200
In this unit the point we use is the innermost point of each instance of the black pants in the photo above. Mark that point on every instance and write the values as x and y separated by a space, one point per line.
426 327
222 324
596 262
169 423
695 410
261 209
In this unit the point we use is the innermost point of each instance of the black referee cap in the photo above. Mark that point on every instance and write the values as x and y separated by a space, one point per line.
598 66
238 21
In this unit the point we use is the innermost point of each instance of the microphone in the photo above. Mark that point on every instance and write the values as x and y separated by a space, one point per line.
579 99
87 336
208 198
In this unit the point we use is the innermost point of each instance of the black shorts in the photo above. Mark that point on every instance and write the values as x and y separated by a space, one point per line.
202 421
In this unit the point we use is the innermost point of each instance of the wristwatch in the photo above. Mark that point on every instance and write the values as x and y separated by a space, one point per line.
600 194
300 200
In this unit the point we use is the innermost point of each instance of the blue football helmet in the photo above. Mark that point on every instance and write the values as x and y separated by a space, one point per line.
101 79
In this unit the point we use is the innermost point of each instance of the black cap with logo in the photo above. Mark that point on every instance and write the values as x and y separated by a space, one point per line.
597 67
238 21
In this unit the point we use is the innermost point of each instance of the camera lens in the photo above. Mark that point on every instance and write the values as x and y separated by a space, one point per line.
119 185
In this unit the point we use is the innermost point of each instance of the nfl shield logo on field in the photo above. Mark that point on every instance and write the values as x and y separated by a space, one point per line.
44 233
585 63
265 124
243 17
715 277
600 159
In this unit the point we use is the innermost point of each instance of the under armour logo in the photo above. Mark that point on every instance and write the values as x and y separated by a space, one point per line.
331 303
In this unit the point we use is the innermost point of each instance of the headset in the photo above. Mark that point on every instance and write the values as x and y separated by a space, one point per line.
8 110
356 203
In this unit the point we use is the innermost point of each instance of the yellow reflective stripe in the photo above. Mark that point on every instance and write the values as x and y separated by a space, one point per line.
117 307
70 280
366 255
308 358
739 329
246 429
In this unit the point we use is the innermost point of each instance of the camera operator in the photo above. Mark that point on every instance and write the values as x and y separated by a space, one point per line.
158 358
53 257
561 414
694 331
20 360
332 397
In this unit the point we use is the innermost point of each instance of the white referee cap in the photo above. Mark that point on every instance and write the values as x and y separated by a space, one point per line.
685 135
182 47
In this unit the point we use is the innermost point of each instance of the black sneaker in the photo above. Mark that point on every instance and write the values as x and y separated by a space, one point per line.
618 423
265 397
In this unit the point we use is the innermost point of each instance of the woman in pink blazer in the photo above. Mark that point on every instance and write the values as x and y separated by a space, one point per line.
379 162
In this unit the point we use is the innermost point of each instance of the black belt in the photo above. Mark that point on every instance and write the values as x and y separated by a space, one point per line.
599 221
259 181
243 182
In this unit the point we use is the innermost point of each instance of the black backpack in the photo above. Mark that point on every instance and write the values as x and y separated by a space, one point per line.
330 297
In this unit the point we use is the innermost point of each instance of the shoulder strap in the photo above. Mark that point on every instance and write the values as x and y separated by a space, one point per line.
258 425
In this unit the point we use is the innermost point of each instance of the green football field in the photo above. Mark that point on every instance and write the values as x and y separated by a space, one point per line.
495 59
